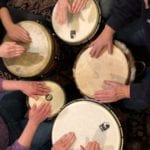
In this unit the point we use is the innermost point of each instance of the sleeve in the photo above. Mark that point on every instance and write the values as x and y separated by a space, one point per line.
3 3
1 80
123 11
17 146
140 90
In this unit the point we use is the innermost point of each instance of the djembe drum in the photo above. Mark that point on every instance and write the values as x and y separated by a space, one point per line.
39 56
80 27
90 121
90 73
56 98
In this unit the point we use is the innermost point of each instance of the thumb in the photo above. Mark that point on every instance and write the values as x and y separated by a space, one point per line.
34 107
69 8
82 147
111 83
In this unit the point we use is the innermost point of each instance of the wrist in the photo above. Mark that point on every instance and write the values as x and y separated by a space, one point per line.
108 30
126 91
33 124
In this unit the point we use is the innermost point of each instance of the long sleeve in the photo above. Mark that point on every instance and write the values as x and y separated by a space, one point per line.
123 11
16 146
140 90
2 3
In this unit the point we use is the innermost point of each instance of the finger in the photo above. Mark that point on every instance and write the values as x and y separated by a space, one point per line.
45 108
10 43
69 9
98 51
89 146
111 83
93 51
82 148
36 97
110 48
81 4
97 147
71 138
34 107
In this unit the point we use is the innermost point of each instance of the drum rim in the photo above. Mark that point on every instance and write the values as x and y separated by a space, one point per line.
50 44
128 56
54 115
102 105
91 35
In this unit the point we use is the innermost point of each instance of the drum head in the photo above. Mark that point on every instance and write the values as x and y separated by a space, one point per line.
80 27
89 121
38 53
56 98
90 73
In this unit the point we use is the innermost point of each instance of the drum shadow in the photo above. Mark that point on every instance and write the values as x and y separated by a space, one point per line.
26 59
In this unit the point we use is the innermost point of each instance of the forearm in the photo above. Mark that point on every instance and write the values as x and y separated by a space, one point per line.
140 90
27 135
123 12
5 18
126 91
11 85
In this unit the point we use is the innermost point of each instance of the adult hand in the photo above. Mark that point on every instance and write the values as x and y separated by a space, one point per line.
39 114
116 91
62 10
78 5
34 89
91 146
65 142
18 33
104 40
11 49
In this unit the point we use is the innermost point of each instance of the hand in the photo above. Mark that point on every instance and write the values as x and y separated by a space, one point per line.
104 40
147 4
62 10
39 114
17 33
34 89
65 142
10 49
78 5
115 92
91 146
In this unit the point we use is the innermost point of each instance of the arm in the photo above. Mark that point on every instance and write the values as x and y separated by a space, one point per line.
123 11
65 142
30 88
115 92
15 32
64 7
140 90
36 116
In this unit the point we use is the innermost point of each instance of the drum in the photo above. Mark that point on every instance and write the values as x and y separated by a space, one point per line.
90 121
80 27
89 73
56 98
40 55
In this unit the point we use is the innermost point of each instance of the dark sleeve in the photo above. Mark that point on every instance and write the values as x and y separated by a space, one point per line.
140 90
3 3
123 11
146 24
17 146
